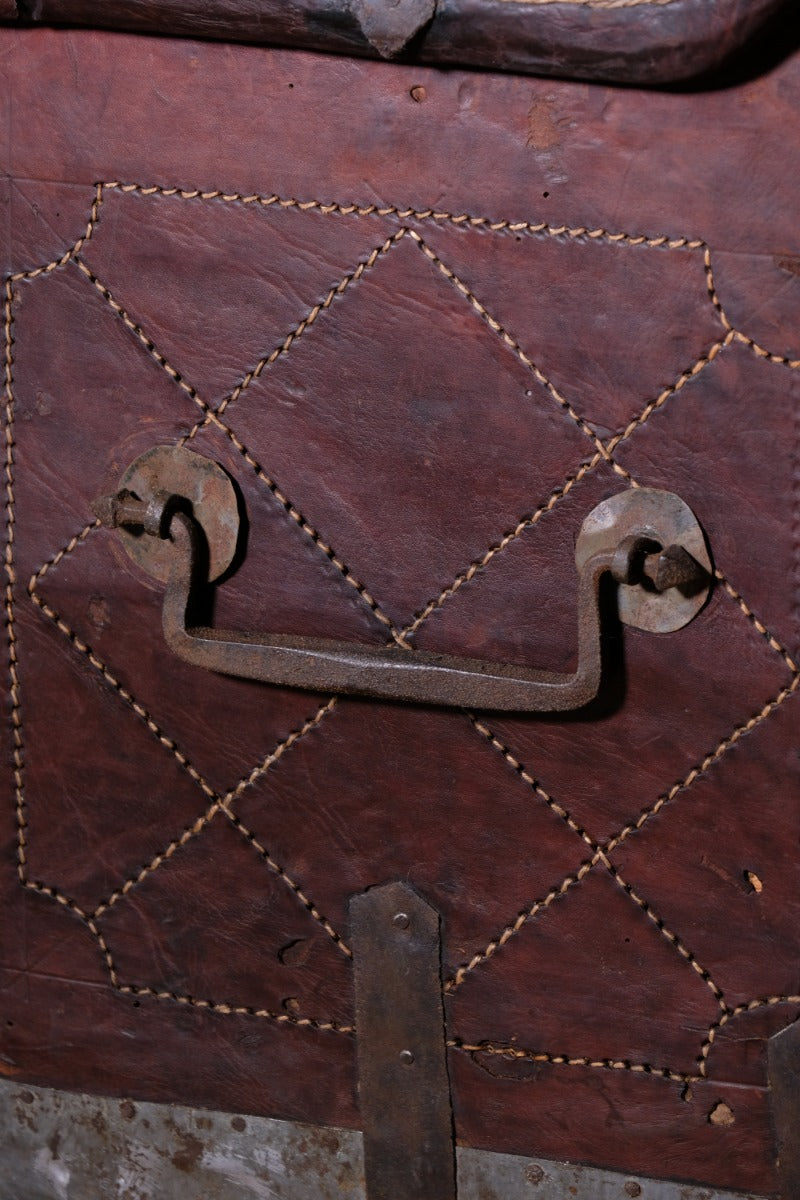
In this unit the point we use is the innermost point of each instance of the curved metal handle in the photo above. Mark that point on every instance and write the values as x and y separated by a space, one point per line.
389 673
620 537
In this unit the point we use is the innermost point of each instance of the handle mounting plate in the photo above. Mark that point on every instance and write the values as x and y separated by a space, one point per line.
669 522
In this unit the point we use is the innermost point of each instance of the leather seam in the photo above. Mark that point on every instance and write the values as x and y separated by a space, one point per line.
405 214
220 804
278 870
600 855
178 997
702 767
74 249
508 341
11 578
212 417
730 1014
297 332
526 522
604 449
513 1052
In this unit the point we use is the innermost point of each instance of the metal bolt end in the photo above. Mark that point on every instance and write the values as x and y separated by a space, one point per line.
406 1058
401 920
632 1188
675 567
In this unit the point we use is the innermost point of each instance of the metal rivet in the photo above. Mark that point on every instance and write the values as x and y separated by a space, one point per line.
632 1188
534 1173
406 1058
401 920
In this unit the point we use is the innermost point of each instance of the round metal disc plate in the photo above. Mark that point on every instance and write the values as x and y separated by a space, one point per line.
213 500
665 518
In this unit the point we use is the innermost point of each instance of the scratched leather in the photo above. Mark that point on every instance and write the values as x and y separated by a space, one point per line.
419 406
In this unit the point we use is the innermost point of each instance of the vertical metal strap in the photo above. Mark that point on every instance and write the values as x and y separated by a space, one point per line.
402 1069
784 1081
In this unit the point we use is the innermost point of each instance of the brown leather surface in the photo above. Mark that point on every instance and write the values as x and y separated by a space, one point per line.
636 41
425 339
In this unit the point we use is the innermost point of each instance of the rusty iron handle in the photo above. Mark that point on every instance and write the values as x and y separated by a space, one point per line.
389 673
648 541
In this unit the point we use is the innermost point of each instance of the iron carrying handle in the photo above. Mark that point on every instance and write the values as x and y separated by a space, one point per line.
648 541
385 672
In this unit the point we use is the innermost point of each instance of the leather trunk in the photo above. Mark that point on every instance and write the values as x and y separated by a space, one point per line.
426 317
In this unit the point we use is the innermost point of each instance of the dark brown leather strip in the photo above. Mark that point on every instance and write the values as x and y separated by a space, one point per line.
624 41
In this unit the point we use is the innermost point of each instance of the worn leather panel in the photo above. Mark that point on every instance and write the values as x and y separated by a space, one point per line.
425 338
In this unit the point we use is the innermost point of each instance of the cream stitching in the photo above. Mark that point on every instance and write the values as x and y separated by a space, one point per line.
603 449
308 320
310 531
132 990
212 417
754 621
13 658
200 824
703 766
496 548
508 340
519 769
570 880
729 1014
671 937
141 336
237 1010
522 918
512 1053
218 803
75 249
526 522
278 870
792 363
118 687
685 377
55 559
405 214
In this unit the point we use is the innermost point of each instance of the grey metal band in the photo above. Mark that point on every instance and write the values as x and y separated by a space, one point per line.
69 1146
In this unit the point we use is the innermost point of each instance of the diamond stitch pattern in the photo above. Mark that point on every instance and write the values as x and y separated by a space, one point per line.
448 773
557 296
417 495
249 276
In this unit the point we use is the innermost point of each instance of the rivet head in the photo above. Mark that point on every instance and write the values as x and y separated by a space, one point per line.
534 1173
632 1188
406 1058
401 920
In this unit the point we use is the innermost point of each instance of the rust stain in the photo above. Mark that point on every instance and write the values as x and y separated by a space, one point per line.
187 1158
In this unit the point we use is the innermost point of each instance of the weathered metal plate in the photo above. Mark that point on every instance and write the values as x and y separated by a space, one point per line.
404 1091
784 1079
68 1146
